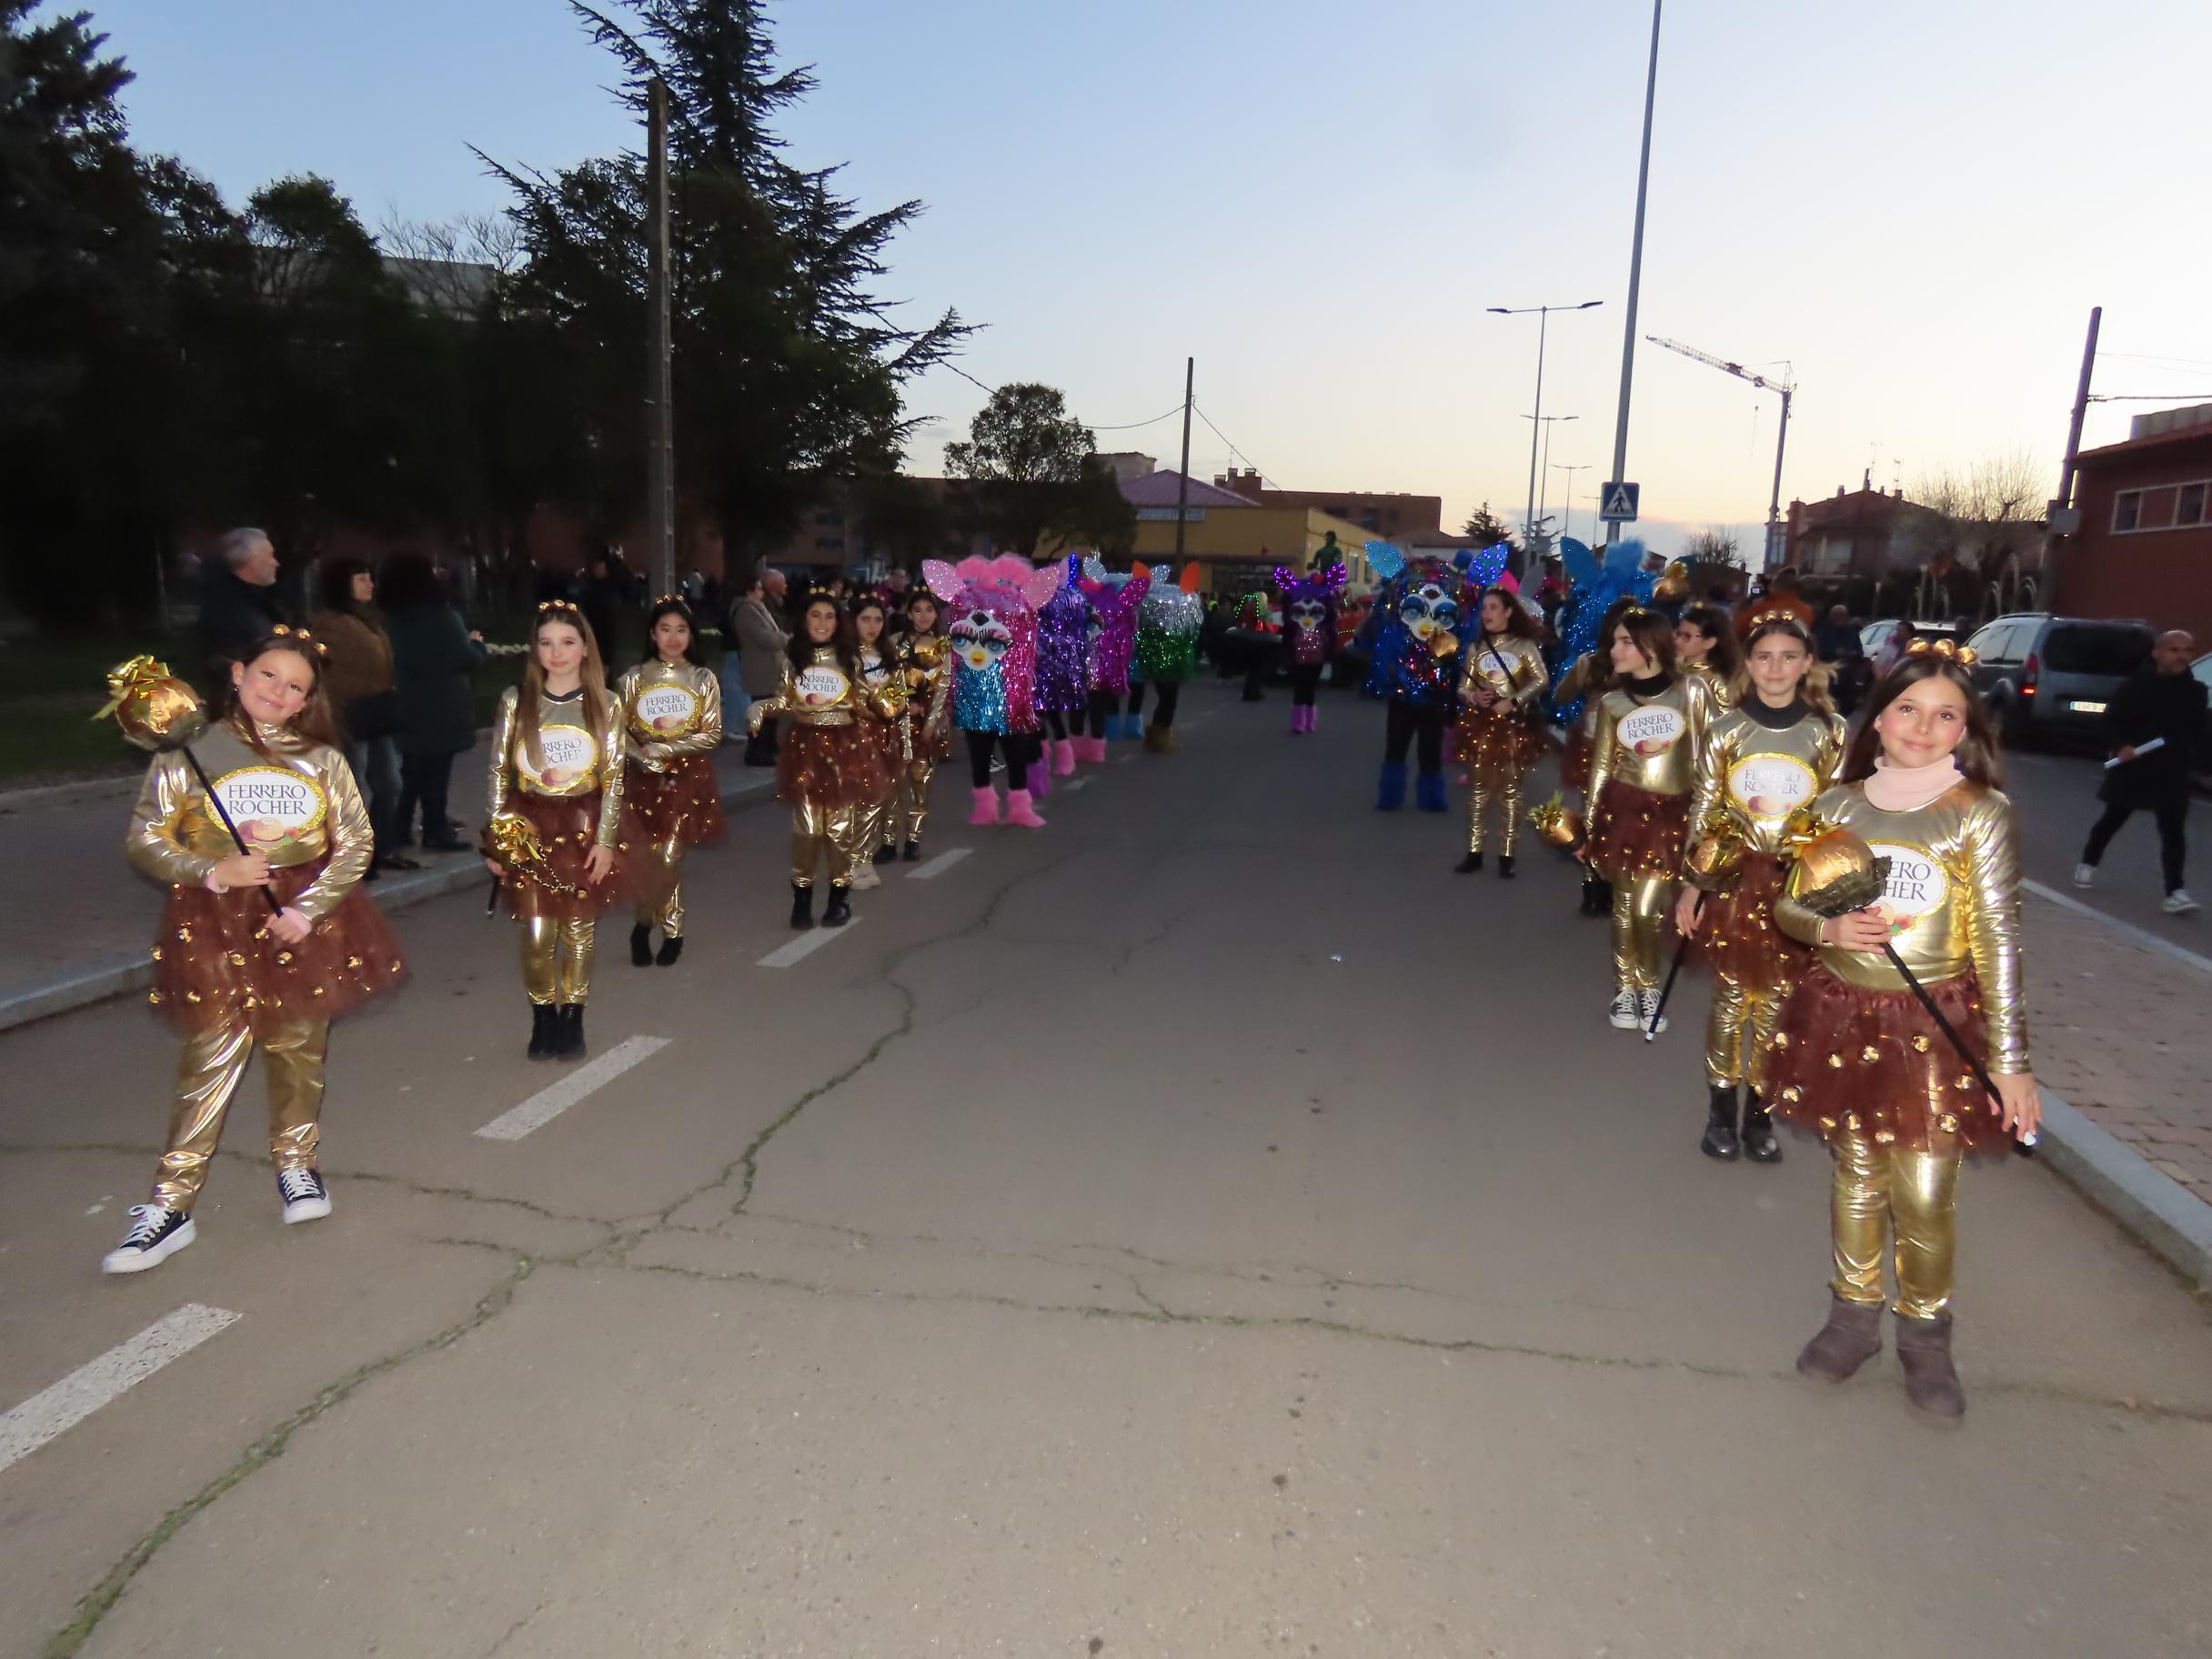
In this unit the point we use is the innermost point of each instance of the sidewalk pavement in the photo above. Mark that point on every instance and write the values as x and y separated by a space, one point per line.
76 922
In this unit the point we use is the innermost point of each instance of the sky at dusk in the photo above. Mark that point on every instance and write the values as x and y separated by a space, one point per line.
1914 205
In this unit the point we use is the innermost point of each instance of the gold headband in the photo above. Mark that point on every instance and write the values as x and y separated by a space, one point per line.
300 637
1965 656
566 605
1779 613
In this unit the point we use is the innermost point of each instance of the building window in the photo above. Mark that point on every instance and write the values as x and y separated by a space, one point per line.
2190 508
2161 507
2127 508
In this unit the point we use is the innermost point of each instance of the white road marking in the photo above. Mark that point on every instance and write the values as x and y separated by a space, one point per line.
804 946
56 1410
1123 760
931 870
1074 784
577 1086
2141 935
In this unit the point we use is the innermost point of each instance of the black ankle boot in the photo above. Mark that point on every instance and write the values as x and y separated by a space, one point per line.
545 1032
885 854
1468 864
1720 1139
670 949
840 906
1759 1143
571 1031
641 946
912 854
1505 865
803 905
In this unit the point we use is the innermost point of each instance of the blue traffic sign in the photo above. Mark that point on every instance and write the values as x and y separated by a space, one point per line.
1616 503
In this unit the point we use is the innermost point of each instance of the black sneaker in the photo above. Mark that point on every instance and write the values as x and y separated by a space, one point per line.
156 1235
1468 864
306 1199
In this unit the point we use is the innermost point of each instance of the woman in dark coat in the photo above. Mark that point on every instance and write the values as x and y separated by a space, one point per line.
433 654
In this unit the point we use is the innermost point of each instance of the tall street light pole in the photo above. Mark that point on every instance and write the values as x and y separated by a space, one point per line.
1567 512
660 397
1636 259
1543 321
1543 486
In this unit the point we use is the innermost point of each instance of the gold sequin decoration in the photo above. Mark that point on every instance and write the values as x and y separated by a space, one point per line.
157 954
1836 1062
1882 1137
1793 1094
1964 1082
352 962
1869 1054
284 958
1949 1123
1782 1040
1920 1045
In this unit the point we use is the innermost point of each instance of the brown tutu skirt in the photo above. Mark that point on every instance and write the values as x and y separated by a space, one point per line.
1574 766
1637 833
565 831
1496 748
1738 938
1844 1058
833 767
682 804
215 966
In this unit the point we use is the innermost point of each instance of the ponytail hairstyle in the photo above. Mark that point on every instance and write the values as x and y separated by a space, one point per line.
1712 622
598 701
315 723
1654 636
670 604
1979 755
1812 688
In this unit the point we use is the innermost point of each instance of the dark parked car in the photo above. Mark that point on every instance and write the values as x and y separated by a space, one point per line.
2048 676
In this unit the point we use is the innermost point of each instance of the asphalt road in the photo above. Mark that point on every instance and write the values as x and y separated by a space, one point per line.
2056 797
1206 1226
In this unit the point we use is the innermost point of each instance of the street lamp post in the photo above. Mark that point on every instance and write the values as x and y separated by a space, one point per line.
1543 321
1635 258
1567 512
1543 487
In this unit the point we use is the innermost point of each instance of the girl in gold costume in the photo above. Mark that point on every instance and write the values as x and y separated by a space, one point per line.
925 724
1589 678
878 668
1642 769
1857 1057
829 765
258 949
556 765
672 724
1704 644
1777 747
1497 739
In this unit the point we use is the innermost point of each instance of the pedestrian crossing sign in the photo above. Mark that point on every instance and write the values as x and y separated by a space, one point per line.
1617 503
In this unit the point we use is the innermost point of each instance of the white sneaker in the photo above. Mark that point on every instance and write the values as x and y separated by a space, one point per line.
156 1235
1623 1013
864 876
1647 1005
306 1199
2180 903
2085 875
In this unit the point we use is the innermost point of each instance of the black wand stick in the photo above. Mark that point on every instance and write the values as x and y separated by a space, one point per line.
1911 983
1682 953
215 801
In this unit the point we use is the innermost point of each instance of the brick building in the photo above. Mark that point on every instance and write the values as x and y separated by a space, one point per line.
2145 545
1859 532
1407 520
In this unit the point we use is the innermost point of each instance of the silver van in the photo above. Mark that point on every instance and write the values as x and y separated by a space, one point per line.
2046 676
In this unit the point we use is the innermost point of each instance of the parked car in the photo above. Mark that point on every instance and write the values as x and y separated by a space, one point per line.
1876 634
2047 676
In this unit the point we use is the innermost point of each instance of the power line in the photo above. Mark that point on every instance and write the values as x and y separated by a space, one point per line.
1233 449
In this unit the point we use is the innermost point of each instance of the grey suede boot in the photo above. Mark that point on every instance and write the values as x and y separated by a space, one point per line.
1930 1382
1852 1337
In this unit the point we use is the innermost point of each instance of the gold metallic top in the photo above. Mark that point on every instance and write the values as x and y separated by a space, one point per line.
1715 681
670 710
823 694
292 806
926 664
573 760
1758 776
1953 902
1651 741
1509 666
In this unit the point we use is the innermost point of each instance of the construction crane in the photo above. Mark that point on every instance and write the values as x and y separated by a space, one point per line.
1786 389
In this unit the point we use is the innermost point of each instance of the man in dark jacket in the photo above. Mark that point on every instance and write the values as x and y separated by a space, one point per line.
2159 719
238 602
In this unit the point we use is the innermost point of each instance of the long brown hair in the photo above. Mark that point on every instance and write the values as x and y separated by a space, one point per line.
1712 622
314 722
1653 635
593 674
1978 754
1812 688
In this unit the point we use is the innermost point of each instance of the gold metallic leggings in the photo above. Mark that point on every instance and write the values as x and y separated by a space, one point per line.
822 834
556 958
1508 797
208 1074
1881 1190
1640 906
669 917
1737 1035
918 772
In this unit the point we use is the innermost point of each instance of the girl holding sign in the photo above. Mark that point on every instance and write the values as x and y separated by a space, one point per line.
1861 1061
1772 753
830 766
557 764
672 706
1643 765
1497 739
258 949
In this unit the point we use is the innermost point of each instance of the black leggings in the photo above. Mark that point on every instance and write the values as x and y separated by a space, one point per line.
1058 721
1304 678
1171 694
1104 707
2171 813
424 781
1408 721
1021 748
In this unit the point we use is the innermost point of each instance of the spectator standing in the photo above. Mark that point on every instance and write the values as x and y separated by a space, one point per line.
238 603
357 680
434 657
2163 704
756 626
603 595
1893 649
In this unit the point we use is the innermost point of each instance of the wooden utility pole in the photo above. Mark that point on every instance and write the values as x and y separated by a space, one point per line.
660 418
1182 478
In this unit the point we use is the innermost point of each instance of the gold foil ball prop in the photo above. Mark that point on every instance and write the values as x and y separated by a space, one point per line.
1674 583
1836 872
929 649
1716 863
512 838
1556 824
888 699
155 709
